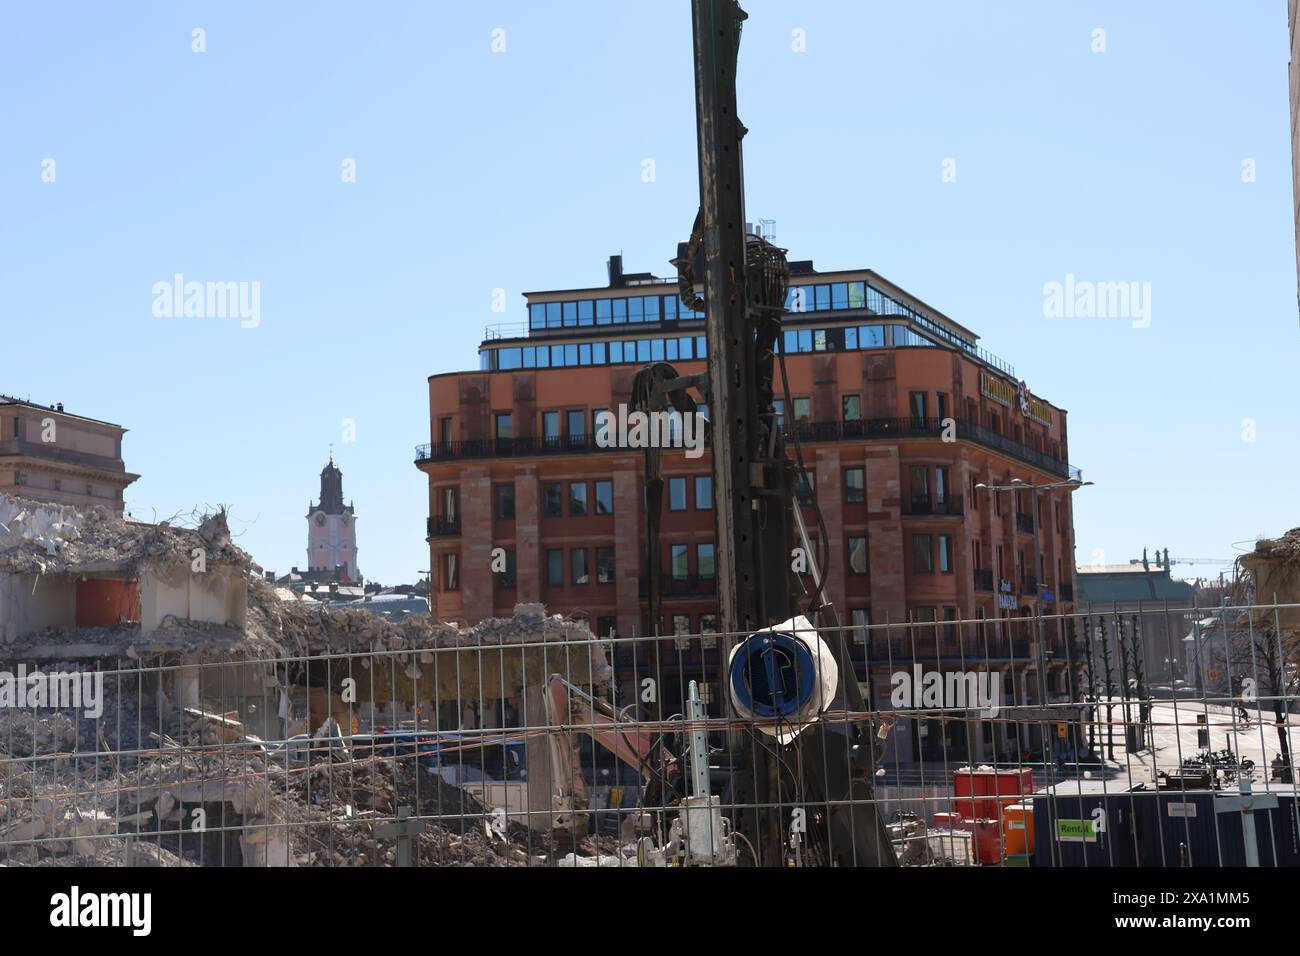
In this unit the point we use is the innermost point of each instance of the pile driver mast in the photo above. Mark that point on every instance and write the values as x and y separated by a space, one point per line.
745 280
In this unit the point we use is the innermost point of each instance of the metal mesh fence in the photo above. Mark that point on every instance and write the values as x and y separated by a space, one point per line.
1145 737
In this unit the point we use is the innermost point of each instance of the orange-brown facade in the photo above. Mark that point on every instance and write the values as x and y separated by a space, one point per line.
899 421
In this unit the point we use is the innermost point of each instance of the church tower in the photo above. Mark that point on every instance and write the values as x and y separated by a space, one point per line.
332 528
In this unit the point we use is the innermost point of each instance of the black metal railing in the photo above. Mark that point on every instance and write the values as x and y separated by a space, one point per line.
1024 522
866 429
983 579
900 650
442 526
669 586
952 505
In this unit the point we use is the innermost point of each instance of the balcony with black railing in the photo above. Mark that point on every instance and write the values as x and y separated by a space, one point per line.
867 429
691 585
442 526
951 505
896 650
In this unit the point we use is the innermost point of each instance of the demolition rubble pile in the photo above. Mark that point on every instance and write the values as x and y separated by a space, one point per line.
1273 569
39 538
128 785
257 808
297 628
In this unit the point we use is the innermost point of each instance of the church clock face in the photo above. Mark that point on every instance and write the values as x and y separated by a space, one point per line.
320 519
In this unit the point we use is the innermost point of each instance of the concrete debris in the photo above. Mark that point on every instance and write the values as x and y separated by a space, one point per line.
39 538
188 805
46 528
23 734
1273 572
220 751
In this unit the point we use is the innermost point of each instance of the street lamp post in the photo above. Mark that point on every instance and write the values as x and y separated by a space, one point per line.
1017 484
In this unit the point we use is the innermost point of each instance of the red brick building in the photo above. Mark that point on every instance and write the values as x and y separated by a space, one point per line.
900 414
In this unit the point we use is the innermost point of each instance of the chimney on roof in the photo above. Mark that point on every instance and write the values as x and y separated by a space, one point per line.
1146 565
60 407
615 272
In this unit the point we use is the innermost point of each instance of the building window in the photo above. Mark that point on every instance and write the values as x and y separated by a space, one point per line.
940 485
708 630
916 401
922 554
604 497
778 406
506 502
679 562
945 554
704 567
941 403
506 578
578 564
857 555
855 486
444 430
950 624
577 426
681 630
448 498
552 500
703 492
606 627
919 486
974 494
601 416
504 428
860 617
551 427
802 410
604 565
924 616
577 498
451 572
555 567
807 487
852 405
676 494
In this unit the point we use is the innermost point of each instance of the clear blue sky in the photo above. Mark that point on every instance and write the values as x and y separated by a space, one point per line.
523 170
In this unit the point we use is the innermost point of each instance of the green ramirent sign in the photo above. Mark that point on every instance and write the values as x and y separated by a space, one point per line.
1076 831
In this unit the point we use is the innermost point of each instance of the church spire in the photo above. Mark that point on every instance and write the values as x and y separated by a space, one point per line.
331 488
